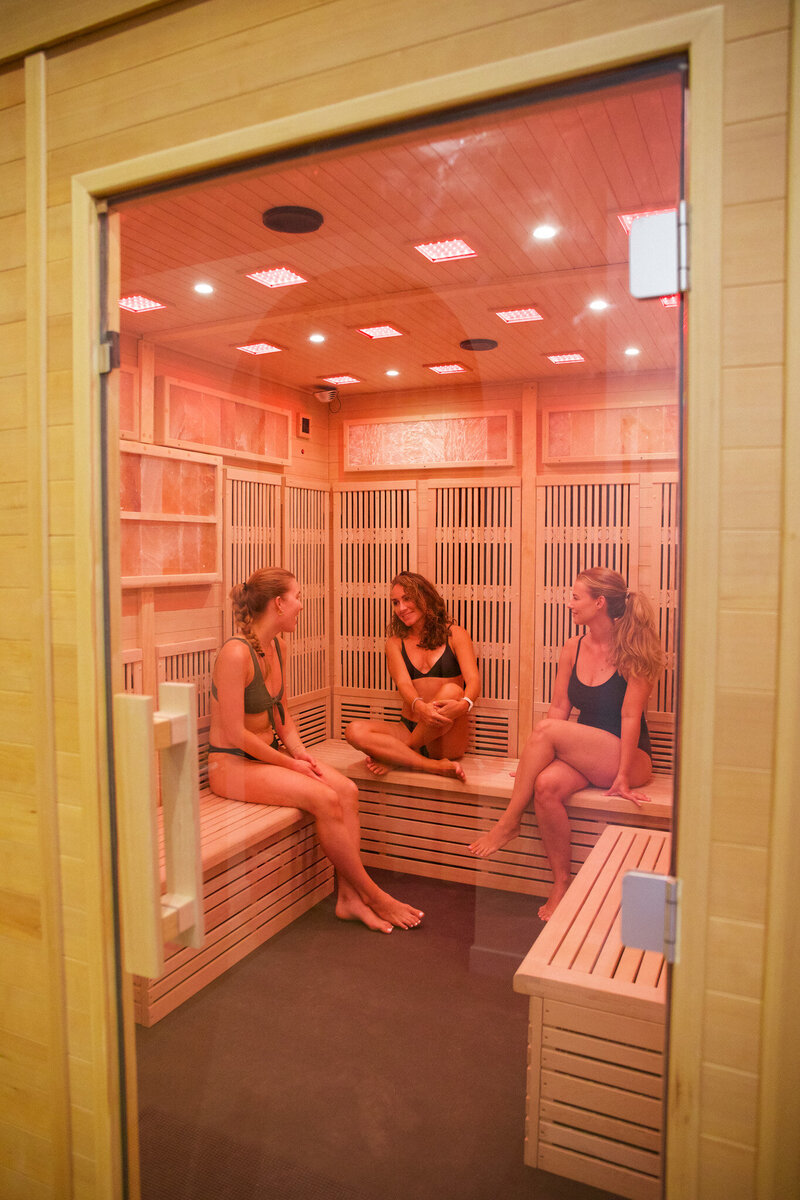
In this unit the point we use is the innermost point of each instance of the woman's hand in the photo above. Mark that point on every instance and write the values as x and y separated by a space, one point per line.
430 714
620 787
451 710
304 766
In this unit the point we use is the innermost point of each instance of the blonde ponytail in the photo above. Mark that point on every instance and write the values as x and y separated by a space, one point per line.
636 646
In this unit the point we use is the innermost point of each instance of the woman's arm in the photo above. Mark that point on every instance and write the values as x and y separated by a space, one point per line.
420 709
560 707
464 651
634 704
286 729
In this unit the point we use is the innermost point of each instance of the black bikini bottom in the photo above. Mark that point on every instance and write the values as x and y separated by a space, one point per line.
411 726
274 745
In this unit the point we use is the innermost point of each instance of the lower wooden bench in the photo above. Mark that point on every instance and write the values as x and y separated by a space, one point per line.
424 824
596 1030
262 868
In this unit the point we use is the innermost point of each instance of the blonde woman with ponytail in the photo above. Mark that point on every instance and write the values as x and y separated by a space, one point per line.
256 754
607 674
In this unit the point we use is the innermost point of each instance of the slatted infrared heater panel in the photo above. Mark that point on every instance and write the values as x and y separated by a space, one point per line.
306 534
252 529
375 537
578 525
664 585
132 671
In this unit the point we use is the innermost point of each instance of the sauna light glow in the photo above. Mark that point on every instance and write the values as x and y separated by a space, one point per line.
339 380
139 304
598 305
513 316
392 373
203 289
445 251
627 219
277 277
380 331
446 368
632 351
565 358
670 301
543 233
316 337
260 348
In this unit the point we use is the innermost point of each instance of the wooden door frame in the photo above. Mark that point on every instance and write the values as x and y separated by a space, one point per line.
700 35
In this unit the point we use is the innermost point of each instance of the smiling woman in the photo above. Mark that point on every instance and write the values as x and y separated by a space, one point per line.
432 662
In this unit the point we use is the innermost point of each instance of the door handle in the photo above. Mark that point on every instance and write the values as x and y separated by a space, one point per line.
149 919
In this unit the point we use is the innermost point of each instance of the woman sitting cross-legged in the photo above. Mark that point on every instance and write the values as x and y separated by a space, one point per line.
606 673
432 662
256 753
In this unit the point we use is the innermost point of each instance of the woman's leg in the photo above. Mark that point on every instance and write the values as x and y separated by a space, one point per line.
391 745
452 743
331 801
592 752
554 785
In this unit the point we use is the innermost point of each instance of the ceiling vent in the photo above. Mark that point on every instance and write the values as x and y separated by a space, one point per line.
292 218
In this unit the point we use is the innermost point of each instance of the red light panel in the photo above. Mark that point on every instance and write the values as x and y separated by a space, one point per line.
339 380
670 301
565 358
446 368
260 348
139 304
515 316
446 251
277 277
380 331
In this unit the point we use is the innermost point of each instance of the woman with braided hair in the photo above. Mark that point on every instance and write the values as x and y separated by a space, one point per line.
607 674
256 753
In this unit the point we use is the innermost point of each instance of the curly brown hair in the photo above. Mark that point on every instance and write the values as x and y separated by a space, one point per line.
251 598
436 623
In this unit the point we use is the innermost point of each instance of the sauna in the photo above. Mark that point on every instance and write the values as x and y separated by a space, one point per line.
416 351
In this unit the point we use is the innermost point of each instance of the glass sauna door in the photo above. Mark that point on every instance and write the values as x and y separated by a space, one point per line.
412 352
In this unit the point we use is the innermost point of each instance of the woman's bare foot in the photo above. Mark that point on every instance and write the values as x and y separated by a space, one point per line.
398 913
377 768
451 770
351 907
495 839
557 894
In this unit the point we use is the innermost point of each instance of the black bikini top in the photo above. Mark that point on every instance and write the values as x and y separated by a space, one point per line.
256 697
445 667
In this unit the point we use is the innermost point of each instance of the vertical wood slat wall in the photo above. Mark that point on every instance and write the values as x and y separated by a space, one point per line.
158 59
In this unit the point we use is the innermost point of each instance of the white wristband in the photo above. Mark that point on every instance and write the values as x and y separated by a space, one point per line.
470 703
414 701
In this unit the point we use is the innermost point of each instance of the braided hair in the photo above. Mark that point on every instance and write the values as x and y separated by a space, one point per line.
251 598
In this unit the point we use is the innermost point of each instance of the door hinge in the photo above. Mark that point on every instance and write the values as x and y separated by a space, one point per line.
650 912
658 254
108 354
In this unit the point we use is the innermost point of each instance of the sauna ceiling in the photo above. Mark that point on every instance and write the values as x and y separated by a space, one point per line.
576 164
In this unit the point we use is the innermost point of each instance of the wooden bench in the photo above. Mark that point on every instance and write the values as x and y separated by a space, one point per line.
424 824
596 1030
262 868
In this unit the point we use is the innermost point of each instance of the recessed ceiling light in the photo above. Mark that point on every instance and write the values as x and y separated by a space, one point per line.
445 251
277 277
670 301
139 304
392 372
260 348
380 331
203 289
317 337
292 218
445 368
632 351
340 380
627 219
565 358
598 305
543 233
514 316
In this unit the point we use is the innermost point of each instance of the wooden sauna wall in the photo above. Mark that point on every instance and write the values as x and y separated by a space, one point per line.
152 84
465 526
196 417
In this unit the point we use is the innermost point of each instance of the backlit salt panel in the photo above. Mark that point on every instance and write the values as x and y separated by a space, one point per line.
610 433
484 440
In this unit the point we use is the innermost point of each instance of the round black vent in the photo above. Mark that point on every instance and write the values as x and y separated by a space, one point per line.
478 344
291 218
